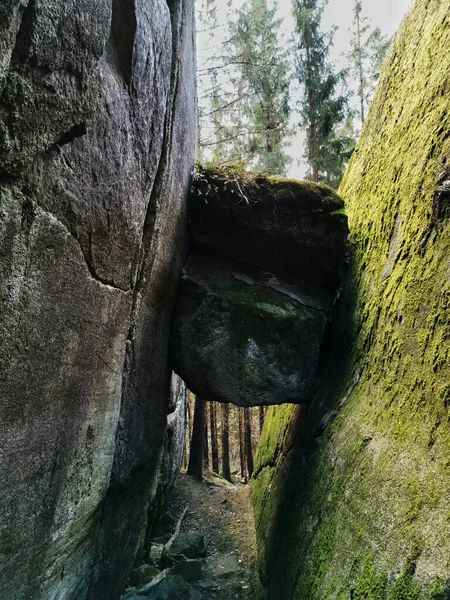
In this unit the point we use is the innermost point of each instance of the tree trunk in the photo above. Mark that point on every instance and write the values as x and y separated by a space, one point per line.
214 446
195 467
188 429
226 441
248 442
242 443
262 417
205 441
312 137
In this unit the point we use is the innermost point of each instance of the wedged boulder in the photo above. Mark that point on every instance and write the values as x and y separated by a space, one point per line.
238 339
295 230
267 263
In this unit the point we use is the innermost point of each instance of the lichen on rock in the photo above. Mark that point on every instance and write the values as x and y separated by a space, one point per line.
364 474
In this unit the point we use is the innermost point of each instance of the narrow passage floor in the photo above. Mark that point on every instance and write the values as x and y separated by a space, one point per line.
222 513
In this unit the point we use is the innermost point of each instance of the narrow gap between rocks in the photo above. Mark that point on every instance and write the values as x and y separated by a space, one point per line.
205 543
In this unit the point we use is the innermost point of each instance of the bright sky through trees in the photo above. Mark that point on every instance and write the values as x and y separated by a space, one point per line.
385 14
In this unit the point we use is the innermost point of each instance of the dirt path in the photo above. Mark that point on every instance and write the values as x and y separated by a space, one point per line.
222 513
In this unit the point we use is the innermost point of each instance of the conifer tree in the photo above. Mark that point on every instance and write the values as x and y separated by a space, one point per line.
242 455
206 441
195 468
226 441
244 89
248 441
263 73
322 107
368 51
214 444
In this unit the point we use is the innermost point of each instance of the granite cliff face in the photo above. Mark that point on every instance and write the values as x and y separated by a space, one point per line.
97 137
351 493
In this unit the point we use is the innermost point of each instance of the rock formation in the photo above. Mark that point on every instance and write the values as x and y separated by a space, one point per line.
97 136
266 264
359 481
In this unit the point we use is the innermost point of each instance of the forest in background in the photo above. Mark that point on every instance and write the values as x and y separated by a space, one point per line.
221 439
258 85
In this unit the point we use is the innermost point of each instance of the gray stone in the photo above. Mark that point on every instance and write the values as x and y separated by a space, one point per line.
156 552
97 138
266 268
206 585
238 339
144 574
190 545
172 587
190 570
223 565
172 454
130 594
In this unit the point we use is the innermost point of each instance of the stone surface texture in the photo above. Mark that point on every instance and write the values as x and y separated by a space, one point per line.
351 492
266 265
97 137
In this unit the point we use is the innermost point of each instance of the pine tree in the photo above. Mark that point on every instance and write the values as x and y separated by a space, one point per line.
226 441
368 51
195 468
205 441
242 456
322 107
214 445
248 441
264 69
244 89
262 417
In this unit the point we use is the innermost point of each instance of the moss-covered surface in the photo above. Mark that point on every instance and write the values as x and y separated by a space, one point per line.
254 186
362 479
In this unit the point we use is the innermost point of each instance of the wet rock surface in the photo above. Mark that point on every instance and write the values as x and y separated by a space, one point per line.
266 267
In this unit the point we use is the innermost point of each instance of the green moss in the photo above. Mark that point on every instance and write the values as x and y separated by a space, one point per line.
415 501
371 585
439 589
273 438
234 178
377 473
405 588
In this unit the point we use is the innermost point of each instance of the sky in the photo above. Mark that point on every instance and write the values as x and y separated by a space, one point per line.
386 14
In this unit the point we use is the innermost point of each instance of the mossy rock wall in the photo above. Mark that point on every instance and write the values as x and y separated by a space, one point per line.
352 494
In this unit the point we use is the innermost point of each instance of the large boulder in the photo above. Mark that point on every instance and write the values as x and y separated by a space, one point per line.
245 339
97 137
294 230
266 266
